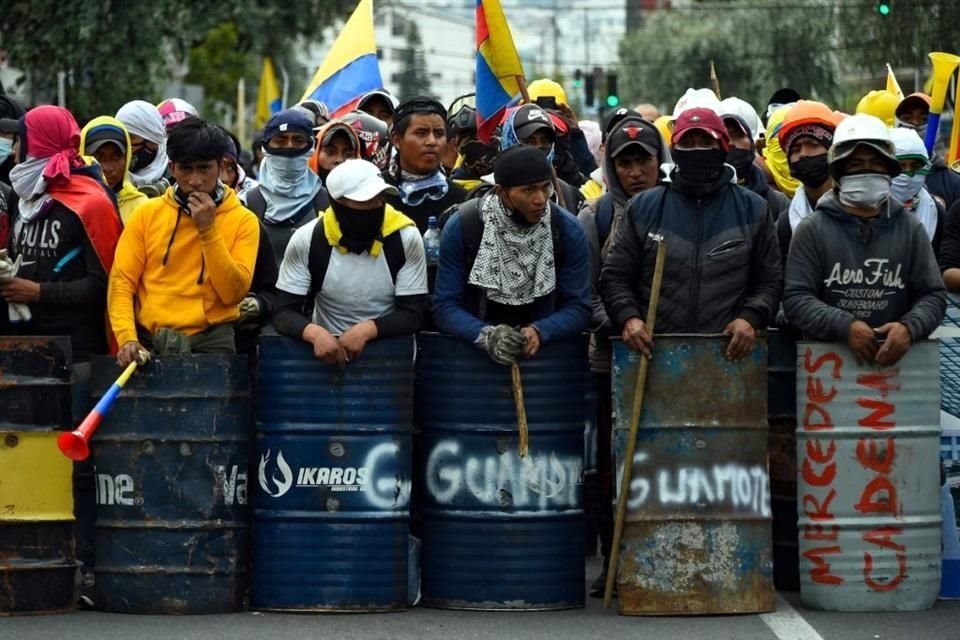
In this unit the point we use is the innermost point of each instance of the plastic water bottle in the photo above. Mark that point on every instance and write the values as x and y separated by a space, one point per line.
431 242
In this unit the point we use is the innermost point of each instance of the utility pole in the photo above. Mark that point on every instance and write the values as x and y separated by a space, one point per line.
556 37
586 37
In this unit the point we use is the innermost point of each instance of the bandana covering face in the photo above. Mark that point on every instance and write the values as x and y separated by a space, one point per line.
287 185
142 119
515 263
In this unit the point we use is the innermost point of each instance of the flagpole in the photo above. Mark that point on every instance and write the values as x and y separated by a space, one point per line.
522 83
286 88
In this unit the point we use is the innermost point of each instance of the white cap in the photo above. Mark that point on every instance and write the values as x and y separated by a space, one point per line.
357 180
908 144
697 98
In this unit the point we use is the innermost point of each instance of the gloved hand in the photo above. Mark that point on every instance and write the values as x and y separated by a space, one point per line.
249 310
503 343
17 312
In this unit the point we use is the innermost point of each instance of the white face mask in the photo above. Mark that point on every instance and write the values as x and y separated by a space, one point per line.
864 190
905 188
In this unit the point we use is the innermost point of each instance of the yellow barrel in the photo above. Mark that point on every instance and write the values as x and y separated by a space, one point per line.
37 564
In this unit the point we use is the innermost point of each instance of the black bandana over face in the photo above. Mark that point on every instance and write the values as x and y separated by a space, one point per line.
358 227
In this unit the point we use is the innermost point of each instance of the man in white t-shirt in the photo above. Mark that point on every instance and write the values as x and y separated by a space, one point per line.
358 271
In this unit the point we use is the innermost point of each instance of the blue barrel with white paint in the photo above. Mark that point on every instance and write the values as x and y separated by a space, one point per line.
171 470
869 486
697 534
501 532
333 467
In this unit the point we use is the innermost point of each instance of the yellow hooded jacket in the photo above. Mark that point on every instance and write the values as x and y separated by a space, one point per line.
128 197
776 157
169 274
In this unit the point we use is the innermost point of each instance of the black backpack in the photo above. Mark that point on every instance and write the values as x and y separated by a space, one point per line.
258 205
320 250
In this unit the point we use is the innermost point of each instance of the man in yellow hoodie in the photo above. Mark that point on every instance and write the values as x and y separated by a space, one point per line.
185 260
360 268
107 140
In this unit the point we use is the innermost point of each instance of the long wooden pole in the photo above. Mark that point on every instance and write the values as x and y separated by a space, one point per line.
627 475
522 83
523 445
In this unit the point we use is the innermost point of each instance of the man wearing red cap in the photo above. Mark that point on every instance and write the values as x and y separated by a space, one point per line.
723 272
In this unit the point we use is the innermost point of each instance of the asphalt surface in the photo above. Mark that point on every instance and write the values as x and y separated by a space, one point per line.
792 622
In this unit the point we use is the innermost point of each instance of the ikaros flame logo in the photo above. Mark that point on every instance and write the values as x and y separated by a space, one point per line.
278 485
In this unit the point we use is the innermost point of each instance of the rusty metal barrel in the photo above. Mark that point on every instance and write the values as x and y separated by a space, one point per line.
591 478
501 532
171 469
782 417
869 485
37 560
332 500
697 536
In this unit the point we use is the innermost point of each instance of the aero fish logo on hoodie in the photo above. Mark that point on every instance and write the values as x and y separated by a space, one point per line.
864 291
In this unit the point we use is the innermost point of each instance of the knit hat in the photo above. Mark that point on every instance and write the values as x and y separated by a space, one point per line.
288 120
818 132
522 165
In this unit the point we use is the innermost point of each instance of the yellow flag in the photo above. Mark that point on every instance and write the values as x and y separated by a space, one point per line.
268 96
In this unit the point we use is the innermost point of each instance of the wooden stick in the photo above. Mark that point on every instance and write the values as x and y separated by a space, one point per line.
523 445
714 80
638 390
522 83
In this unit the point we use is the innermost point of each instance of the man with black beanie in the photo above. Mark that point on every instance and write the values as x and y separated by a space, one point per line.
419 134
514 270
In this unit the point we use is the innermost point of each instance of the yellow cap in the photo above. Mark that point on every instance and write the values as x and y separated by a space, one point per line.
664 125
880 104
546 87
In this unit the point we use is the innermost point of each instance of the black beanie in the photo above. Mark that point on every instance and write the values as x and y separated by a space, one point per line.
521 165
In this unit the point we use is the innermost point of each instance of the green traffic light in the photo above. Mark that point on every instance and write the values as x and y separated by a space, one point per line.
613 101
577 84
884 8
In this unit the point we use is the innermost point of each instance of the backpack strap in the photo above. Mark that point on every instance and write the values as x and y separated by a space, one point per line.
471 226
604 218
256 202
317 262
258 205
394 253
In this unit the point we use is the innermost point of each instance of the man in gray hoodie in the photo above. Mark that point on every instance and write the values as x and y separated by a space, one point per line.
632 154
861 270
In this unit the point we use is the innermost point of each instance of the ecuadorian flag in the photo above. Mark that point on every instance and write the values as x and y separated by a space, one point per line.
269 101
350 69
499 71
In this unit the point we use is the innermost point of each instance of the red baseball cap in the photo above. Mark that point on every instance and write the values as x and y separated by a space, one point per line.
701 119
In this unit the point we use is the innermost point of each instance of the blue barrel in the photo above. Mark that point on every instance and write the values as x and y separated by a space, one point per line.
37 560
171 469
591 479
332 505
869 484
782 416
696 539
500 531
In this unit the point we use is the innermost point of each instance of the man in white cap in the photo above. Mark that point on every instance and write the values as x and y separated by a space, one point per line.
360 267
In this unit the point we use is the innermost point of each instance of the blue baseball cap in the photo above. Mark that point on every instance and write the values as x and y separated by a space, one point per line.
288 120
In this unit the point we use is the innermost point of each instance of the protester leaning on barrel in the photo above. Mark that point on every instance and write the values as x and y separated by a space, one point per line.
861 269
186 258
723 271
514 267
360 268
633 153
419 134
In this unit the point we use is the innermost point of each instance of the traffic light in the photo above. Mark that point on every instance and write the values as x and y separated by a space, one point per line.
577 79
613 96
589 90
884 7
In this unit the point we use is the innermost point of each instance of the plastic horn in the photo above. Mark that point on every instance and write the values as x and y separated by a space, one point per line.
76 444
944 65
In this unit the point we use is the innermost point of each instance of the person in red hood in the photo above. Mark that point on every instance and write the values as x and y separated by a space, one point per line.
64 230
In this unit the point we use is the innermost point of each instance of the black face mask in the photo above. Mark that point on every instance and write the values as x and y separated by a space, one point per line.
741 160
142 158
812 171
359 227
479 157
699 166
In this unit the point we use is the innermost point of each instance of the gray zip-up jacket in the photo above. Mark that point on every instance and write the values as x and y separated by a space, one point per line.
842 268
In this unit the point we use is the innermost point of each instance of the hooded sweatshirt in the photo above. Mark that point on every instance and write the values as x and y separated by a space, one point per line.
842 268
183 278
618 198
128 197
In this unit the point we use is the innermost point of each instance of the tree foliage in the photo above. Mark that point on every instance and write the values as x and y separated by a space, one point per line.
116 51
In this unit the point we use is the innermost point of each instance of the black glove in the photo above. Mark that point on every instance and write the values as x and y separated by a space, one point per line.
503 343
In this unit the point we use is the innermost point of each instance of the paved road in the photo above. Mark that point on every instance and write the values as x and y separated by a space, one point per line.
790 623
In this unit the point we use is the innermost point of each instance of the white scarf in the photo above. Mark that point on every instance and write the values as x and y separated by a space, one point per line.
924 207
28 181
515 263
142 119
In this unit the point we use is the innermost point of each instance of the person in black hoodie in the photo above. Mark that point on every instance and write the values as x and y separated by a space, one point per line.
633 153
860 268
419 134
723 272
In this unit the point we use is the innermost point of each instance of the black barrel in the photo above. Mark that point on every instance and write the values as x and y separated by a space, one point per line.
172 459
500 531
332 515
782 416
37 558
